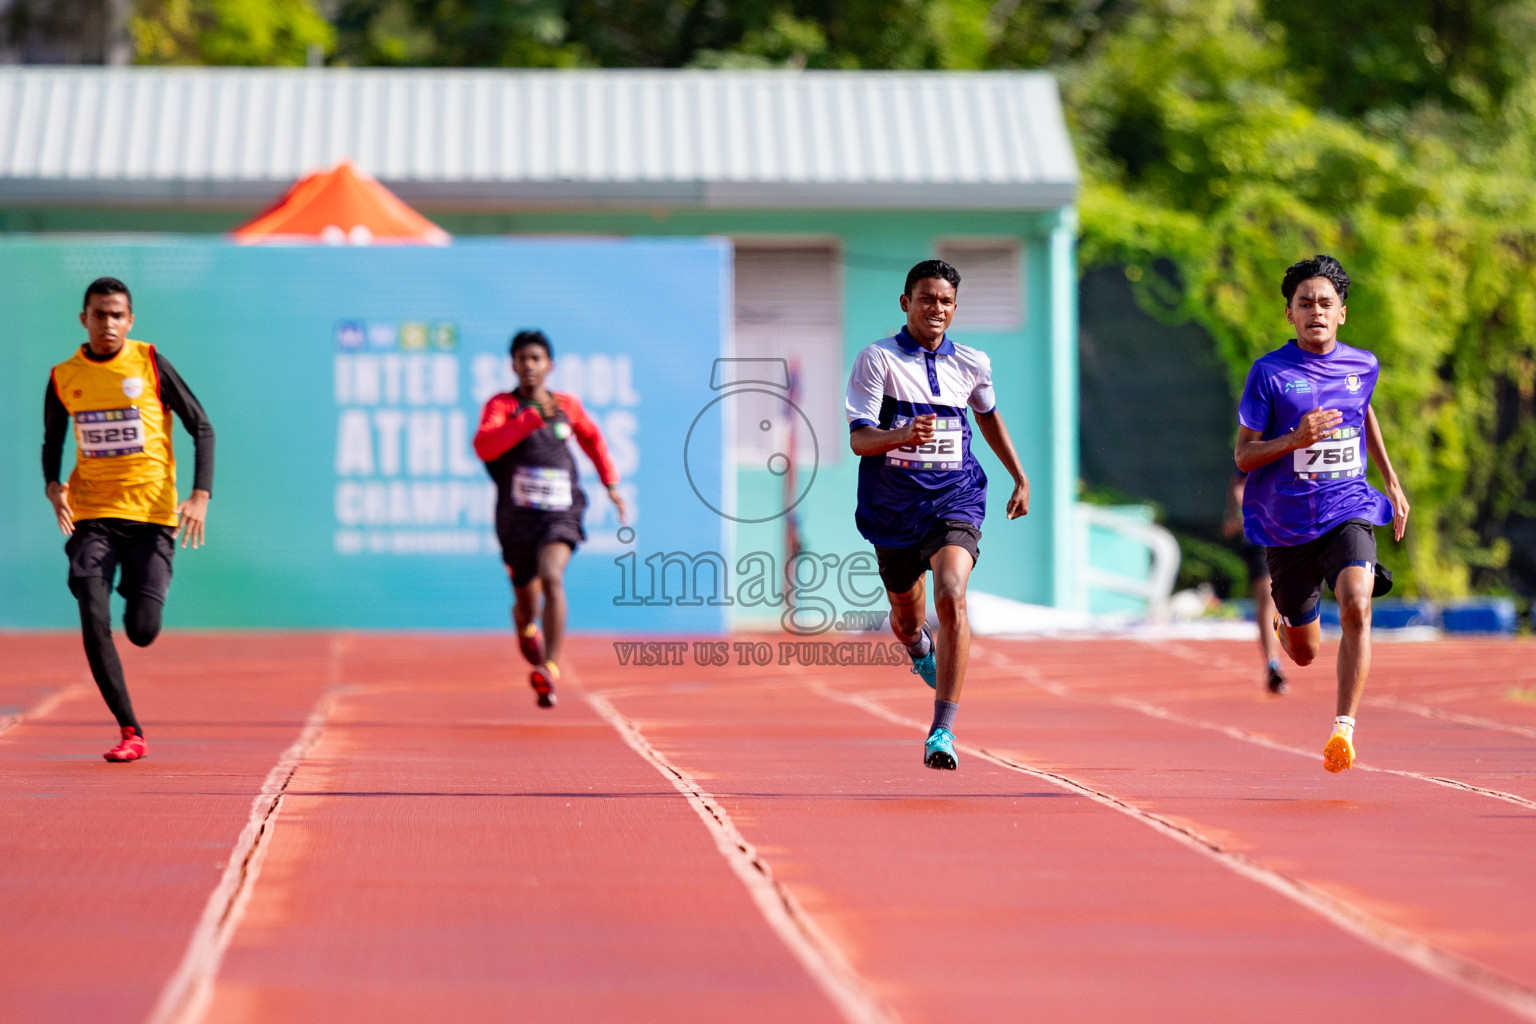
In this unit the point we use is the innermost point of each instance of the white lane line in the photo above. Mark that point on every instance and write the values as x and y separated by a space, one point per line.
186 996
1413 949
849 991
1035 678
1412 707
1425 711
42 708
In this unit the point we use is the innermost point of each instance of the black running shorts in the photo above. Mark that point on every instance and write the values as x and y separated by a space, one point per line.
901 568
524 534
1297 573
98 547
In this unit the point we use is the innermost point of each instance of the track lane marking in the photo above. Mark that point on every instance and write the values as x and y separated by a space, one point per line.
1425 711
188 992
1407 946
1412 707
1037 679
44 707
849 991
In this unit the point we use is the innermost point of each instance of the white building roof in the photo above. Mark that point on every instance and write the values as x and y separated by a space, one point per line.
717 139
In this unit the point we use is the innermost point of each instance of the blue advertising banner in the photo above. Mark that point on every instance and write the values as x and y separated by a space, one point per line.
345 385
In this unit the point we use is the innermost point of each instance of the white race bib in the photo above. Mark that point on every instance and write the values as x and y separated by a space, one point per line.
1330 459
945 453
106 433
541 487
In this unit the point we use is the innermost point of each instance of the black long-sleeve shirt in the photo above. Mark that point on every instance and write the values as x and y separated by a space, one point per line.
178 398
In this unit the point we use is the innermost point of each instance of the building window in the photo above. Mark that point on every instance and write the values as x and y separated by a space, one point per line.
789 304
991 282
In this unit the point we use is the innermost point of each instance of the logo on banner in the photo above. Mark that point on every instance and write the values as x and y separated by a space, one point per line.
406 336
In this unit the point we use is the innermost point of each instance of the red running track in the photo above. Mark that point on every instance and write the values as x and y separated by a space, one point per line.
343 828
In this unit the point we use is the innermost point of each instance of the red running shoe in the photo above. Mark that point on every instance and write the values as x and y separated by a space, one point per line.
531 642
132 748
543 680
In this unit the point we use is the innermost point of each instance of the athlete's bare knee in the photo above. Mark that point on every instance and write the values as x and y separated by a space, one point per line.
553 583
949 602
1355 614
906 622
905 625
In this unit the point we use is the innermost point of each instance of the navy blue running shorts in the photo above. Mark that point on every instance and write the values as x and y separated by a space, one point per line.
901 568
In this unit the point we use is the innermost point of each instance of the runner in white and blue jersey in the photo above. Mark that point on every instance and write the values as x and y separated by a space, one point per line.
922 494
1305 411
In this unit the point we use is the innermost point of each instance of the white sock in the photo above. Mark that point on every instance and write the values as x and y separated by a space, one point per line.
1346 723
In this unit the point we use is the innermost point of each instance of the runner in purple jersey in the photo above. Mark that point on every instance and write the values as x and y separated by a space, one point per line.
1305 411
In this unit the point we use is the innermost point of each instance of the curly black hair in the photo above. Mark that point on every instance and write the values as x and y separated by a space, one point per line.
1321 265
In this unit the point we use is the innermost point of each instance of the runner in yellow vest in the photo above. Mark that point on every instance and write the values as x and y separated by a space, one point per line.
119 508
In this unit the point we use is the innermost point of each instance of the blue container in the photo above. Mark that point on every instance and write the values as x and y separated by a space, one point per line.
1487 615
1387 614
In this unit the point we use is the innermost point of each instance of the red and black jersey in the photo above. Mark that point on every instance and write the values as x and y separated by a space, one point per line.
529 459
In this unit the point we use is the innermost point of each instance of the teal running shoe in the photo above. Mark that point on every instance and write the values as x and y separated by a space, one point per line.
939 751
926 666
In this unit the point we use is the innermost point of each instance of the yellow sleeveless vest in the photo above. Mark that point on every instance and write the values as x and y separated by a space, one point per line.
124 466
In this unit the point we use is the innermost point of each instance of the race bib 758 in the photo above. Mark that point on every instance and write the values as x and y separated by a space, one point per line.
1334 457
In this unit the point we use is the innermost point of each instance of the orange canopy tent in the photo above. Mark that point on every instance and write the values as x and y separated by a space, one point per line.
340 206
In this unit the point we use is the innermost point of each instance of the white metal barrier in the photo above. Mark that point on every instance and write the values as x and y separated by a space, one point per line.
1156 587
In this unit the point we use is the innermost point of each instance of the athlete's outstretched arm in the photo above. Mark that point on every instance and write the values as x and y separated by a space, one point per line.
1252 451
1376 446
993 429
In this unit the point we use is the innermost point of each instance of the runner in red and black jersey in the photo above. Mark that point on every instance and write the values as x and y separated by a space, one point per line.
539 501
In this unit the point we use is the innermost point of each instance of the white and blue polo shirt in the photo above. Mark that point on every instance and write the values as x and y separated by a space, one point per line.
904 493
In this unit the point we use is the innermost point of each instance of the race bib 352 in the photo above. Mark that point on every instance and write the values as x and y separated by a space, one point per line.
946 452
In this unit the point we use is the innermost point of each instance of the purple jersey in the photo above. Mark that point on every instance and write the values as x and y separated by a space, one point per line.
1304 494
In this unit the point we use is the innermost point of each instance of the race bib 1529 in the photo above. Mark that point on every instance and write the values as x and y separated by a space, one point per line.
541 487
945 452
106 433
1334 457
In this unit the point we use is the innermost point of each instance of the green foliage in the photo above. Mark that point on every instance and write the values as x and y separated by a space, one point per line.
1200 152
1203 561
228 31
1373 54
877 34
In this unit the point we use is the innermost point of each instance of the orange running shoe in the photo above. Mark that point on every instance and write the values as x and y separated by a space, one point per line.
531 642
1339 754
132 748
543 680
